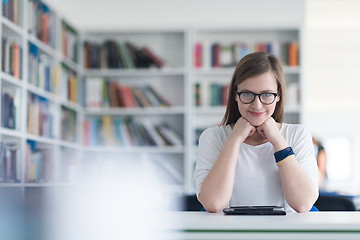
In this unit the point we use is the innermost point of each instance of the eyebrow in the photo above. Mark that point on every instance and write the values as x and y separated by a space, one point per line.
264 91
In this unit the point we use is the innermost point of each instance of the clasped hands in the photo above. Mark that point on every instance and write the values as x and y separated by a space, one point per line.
269 129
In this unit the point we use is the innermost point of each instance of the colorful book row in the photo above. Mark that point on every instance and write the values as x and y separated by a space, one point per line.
42 22
11 57
11 10
10 165
112 54
228 55
10 107
40 116
69 84
129 132
70 43
110 93
43 72
38 164
218 94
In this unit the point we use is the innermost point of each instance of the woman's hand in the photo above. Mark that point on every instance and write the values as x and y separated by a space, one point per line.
243 129
270 131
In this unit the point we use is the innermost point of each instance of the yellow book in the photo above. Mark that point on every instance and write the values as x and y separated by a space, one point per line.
107 131
55 79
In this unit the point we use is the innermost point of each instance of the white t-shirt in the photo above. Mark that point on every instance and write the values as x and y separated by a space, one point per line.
257 180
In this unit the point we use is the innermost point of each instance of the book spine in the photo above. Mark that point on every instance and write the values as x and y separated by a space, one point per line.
198 55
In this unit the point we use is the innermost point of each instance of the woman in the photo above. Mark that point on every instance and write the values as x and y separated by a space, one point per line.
321 159
253 158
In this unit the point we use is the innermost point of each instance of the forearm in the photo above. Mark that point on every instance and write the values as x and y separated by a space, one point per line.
297 187
217 187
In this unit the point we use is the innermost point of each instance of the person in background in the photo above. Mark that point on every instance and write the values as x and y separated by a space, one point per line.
253 158
321 158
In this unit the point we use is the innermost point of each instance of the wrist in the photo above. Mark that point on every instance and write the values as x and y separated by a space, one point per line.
280 144
283 155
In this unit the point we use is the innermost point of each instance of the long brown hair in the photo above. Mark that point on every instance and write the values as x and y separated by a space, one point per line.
252 65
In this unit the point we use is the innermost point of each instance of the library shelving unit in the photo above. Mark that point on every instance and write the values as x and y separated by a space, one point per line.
135 107
40 103
215 53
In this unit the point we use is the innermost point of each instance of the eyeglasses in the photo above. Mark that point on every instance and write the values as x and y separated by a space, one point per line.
249 97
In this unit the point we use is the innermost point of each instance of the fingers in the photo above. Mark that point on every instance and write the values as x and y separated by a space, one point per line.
261 131
252 131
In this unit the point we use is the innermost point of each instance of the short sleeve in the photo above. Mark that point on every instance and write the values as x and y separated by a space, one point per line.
303 147
209 148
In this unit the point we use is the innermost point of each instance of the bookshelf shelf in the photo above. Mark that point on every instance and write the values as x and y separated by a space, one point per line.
134 72
14 27
74 106
44 47
11 79
39 185
10 132
70 145
40 139
15 185
69 63
210 110
228 71
136 150
292 70
135 111
42 93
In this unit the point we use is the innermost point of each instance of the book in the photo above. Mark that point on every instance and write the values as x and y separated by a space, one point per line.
170 134
198 52
93 92
158 62
293 54
197 94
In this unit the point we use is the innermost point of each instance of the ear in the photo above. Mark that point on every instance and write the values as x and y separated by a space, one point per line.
278 97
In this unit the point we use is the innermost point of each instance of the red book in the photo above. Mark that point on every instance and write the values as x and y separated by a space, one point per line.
156 60
44 28
216 48
198 55
293 54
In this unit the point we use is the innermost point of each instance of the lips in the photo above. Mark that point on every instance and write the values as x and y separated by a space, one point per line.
256 114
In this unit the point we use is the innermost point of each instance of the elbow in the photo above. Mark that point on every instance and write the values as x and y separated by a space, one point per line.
305 206
211 206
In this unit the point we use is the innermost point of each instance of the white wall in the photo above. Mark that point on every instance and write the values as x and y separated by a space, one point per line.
115 14
332 63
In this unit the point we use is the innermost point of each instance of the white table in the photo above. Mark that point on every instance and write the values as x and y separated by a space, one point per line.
312 225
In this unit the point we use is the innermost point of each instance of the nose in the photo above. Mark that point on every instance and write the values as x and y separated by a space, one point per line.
256 103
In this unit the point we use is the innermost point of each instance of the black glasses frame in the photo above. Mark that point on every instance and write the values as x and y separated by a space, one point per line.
259 95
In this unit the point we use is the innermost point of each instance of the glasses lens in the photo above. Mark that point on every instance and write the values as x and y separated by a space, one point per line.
247 97
267 98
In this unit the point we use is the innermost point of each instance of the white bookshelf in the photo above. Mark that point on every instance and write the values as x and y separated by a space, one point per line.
170 80
20 136
206 114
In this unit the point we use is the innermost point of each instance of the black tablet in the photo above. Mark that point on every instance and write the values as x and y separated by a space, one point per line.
254 210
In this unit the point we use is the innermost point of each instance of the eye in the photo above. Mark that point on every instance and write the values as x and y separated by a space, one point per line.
247 94
267 95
